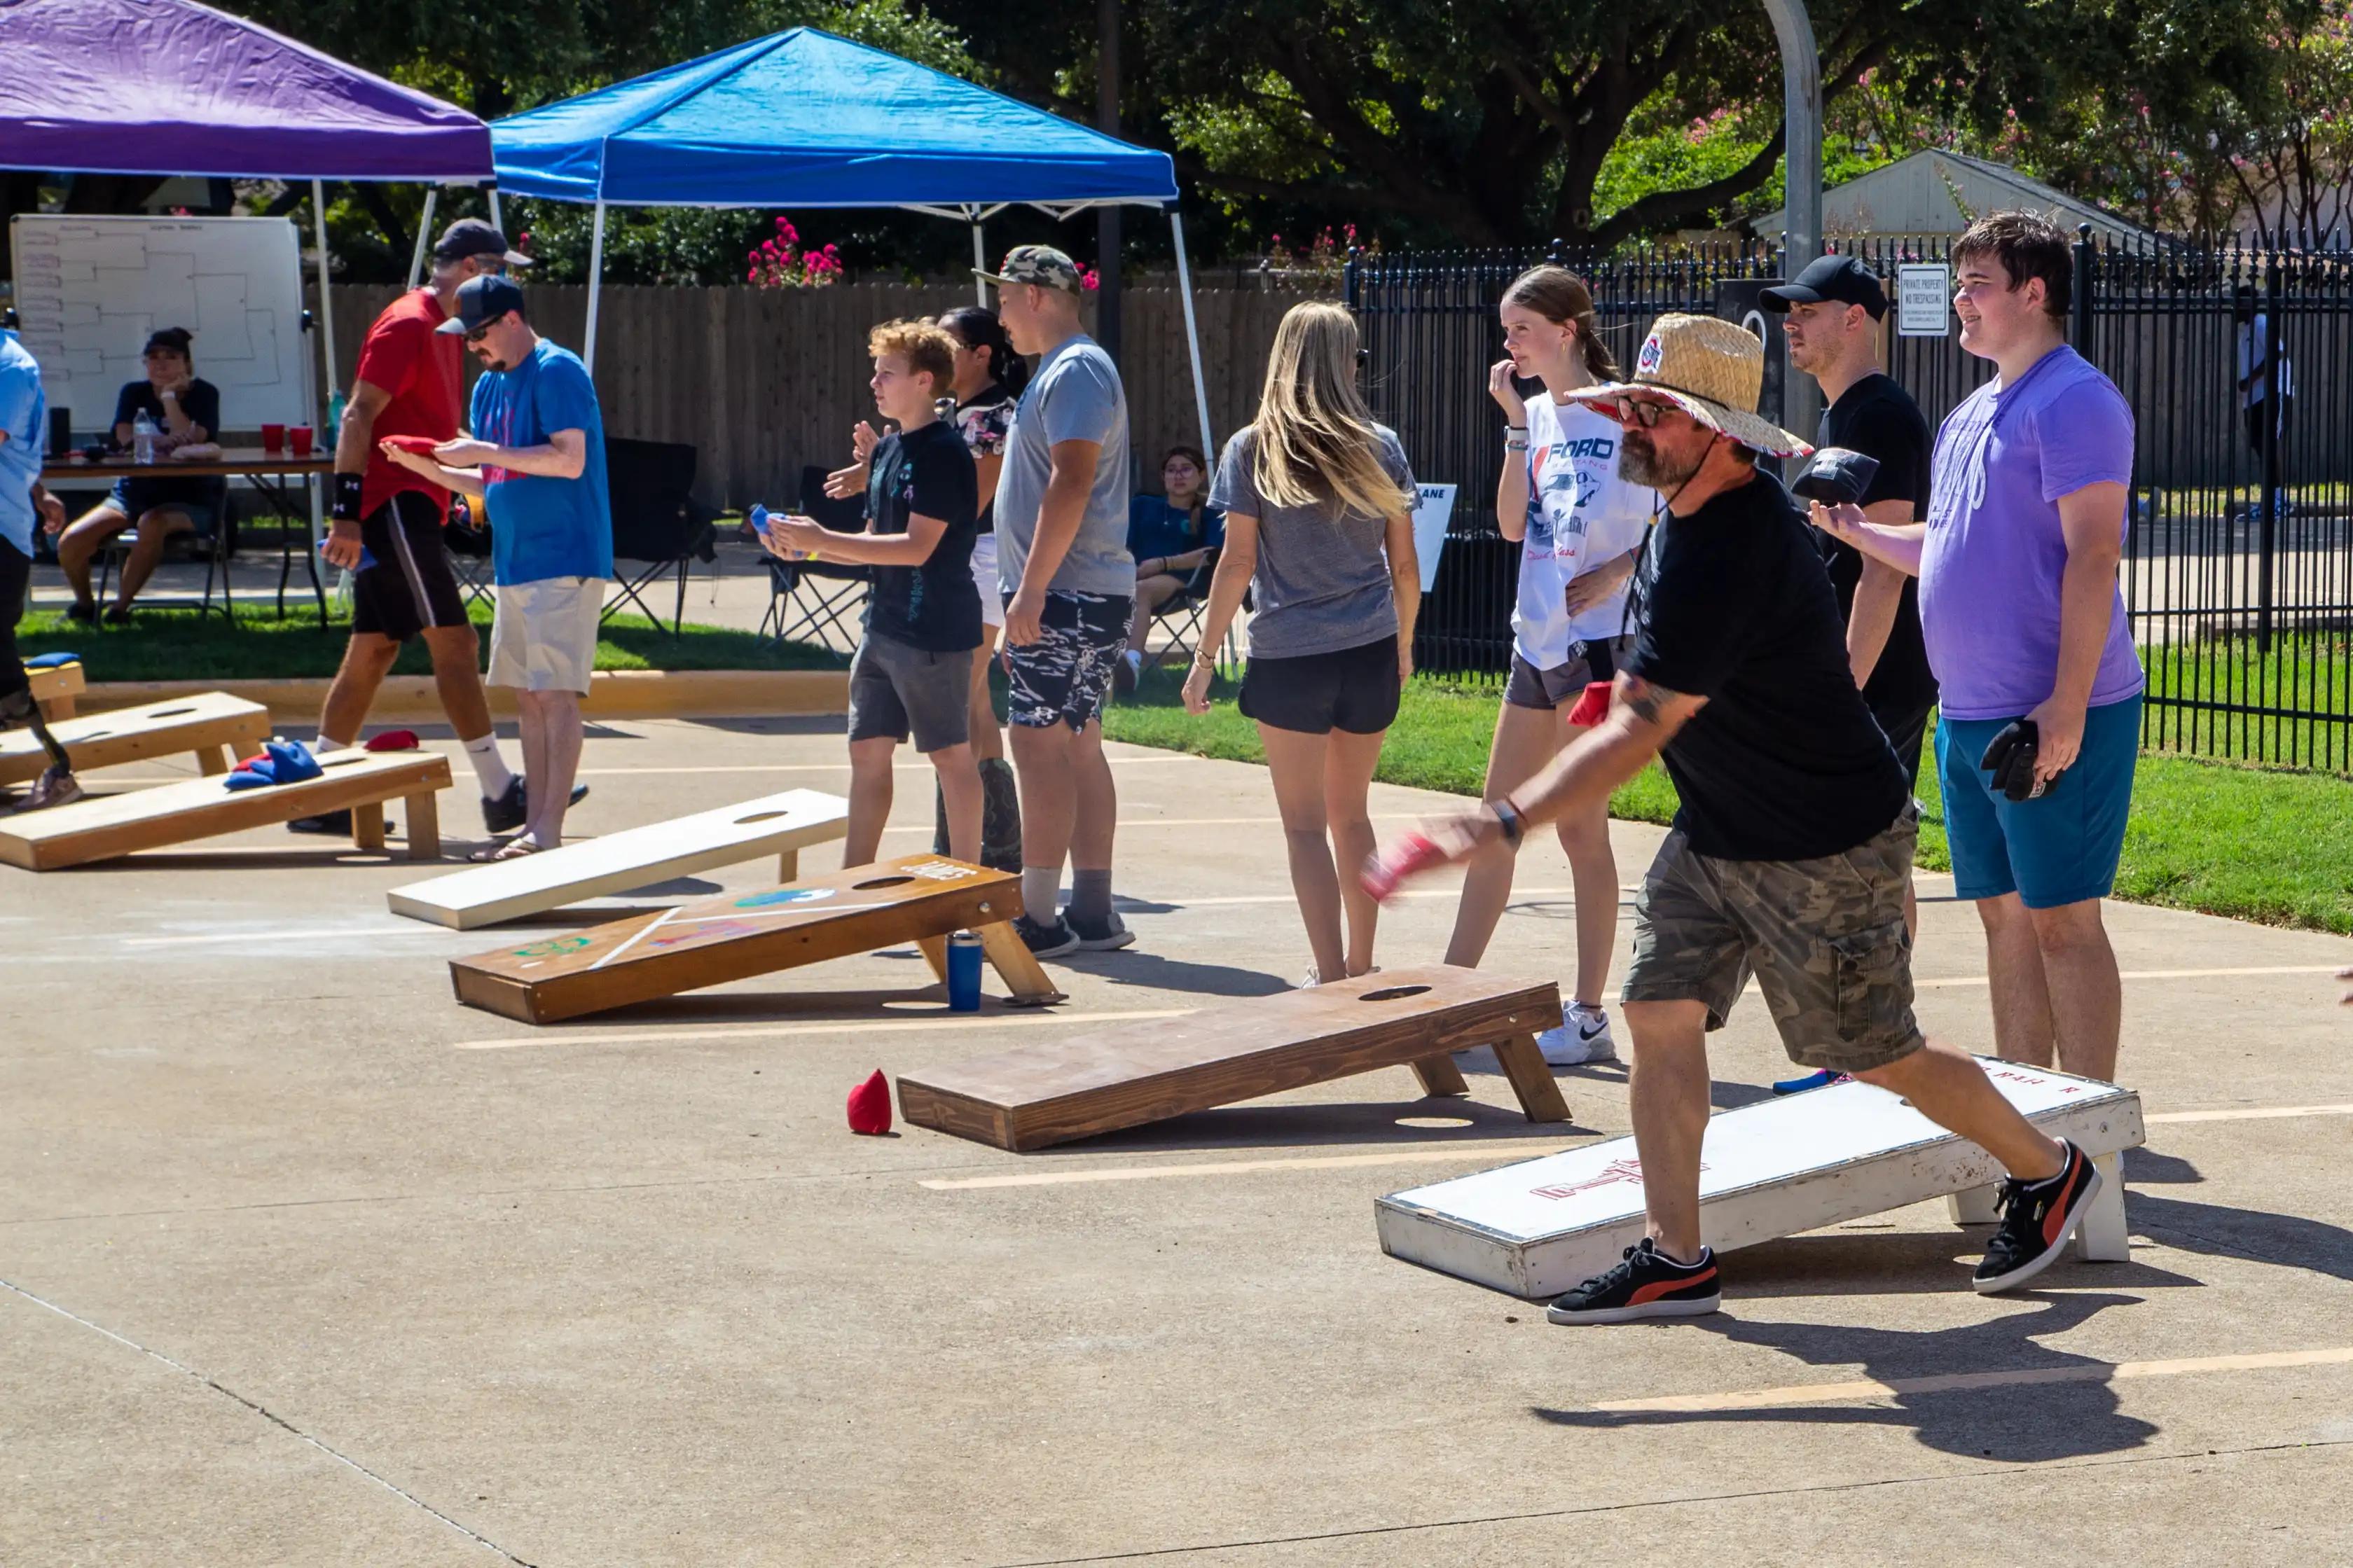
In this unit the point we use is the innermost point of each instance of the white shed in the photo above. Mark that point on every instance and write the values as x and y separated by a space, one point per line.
1938 192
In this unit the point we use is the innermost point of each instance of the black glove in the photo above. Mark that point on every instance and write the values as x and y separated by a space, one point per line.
2010 759
1835 475
344 506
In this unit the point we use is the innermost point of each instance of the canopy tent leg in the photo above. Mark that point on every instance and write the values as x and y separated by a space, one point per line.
979 262
496 221
595 284
424 227
326 307
1192 336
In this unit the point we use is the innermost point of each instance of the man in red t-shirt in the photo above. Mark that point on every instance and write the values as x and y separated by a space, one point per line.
388 520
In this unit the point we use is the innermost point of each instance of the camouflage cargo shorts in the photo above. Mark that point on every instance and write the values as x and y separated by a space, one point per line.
1064 676
1825 939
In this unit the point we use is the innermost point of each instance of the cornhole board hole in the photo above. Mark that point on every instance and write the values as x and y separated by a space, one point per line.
217 727
103 827
779 825
1768 1169
921 898
57 687
1049 1091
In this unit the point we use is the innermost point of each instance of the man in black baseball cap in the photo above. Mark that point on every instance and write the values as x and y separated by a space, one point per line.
1832 313
471 237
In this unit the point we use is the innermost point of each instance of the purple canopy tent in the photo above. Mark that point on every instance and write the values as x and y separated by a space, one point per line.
119 86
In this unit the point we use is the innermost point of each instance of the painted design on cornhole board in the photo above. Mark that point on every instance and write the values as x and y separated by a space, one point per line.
214 726
920 899
100 827
1772 1169
1049 1091
781 825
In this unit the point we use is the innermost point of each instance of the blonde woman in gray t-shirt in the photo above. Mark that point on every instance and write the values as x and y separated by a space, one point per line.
1317 500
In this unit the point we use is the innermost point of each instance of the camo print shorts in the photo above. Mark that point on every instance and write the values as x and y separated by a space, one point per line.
1064 676
1825 939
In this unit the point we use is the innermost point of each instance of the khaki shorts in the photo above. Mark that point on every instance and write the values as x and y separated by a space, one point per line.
544 637
1825 939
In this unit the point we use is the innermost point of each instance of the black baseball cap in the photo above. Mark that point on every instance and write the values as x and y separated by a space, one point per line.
1842 278
472 236
482 301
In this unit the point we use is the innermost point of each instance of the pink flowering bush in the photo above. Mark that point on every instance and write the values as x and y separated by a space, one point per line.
1327 255
780 262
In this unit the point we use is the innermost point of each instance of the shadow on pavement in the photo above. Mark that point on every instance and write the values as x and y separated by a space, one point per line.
1127 967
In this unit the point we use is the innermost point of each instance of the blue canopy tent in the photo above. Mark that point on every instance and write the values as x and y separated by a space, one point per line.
803 118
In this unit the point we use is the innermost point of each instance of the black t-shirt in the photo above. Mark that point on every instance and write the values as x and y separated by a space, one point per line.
1878 418
200 403
926 472
1785 762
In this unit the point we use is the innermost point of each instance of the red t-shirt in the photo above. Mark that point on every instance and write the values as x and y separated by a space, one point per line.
425 373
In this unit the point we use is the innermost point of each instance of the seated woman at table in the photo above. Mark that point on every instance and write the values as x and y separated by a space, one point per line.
185 412
1174 538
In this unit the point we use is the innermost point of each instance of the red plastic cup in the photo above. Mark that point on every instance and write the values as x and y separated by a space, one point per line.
300 434
273 437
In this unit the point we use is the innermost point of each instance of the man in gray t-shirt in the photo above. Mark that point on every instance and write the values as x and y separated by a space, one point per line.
1069 596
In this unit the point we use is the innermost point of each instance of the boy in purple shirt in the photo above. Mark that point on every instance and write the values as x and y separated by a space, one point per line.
2024 620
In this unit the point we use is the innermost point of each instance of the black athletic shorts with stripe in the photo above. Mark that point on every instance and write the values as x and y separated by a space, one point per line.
409 584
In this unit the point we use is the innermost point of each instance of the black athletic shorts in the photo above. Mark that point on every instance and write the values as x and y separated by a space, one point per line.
1351 689
15 576
408 586
1906 731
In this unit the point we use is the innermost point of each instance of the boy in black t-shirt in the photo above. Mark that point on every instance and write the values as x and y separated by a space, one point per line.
912 672
1793 845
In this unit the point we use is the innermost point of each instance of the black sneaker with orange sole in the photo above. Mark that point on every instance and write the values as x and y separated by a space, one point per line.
2037 1218
1646 1284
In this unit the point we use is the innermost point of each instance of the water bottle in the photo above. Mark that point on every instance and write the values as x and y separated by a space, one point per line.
963 973
142 438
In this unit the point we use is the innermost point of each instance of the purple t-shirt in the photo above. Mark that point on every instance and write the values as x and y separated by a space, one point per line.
1990 567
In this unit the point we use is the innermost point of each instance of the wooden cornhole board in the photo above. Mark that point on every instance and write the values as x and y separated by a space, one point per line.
779 825
55 687
217 727
103 827
1772 1169
1049 1091
921 898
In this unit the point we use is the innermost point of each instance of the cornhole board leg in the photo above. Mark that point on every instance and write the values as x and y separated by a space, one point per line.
1440 1075
2103 1236
424 826
215 759
1015 964
367 826
1531 1081
788 865
935 953
1975 1206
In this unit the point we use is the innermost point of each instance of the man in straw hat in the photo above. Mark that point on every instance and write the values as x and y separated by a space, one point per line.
1793 843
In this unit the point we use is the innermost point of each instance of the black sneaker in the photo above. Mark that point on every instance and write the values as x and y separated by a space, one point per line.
1099 935
86 614
2036 1221
337 824
1648 1284
512 809
1045 941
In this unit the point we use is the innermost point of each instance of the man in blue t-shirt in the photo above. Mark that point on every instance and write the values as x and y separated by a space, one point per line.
537 459
24 411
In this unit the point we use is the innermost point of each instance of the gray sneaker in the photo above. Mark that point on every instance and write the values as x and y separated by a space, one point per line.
54 787
1099 935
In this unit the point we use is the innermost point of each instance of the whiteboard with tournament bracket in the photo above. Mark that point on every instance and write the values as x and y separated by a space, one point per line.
90 290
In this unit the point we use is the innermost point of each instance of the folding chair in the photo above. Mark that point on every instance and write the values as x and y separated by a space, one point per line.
215 546
816 601
1181 616
466 537
656 521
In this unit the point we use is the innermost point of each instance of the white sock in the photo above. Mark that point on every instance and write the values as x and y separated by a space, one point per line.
488 766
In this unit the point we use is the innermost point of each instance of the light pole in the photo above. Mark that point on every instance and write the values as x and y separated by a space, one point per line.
1801 119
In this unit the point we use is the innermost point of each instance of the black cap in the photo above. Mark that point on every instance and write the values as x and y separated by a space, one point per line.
1839 277
472 236
482 301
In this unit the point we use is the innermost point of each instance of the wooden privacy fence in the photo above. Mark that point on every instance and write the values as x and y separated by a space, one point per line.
764 380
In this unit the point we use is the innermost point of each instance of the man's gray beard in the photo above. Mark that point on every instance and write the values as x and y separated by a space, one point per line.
1643 465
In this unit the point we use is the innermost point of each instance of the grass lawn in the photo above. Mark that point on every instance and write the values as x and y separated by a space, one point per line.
164 645
2304 673
2219 838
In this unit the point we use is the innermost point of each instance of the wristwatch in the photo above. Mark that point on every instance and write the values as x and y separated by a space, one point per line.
1507 817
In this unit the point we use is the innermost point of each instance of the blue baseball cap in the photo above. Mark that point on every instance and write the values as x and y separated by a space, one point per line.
482 301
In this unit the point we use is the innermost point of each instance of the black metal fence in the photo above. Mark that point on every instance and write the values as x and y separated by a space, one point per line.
2238 568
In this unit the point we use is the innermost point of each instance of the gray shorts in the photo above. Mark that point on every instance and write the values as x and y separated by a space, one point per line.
895 688
1825 939
1563 684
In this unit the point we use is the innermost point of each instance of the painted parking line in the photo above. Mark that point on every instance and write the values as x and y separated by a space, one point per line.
1964 1381
942 1020
1462 1149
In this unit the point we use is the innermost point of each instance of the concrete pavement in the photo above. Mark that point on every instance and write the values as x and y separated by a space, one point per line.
304 1263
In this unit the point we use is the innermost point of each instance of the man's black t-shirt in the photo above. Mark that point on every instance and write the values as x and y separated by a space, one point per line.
926 472
1785 762
1878 418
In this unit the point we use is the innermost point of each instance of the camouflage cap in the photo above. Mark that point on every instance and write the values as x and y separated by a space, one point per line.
1040 264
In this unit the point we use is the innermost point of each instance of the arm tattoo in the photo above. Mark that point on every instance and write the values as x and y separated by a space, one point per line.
1649 702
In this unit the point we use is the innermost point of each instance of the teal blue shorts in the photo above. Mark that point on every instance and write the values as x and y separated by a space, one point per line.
2061 847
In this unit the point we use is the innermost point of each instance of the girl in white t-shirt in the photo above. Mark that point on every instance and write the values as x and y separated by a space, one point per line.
1581 528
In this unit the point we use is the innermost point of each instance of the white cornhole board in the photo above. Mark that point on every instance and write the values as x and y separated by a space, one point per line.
779 825
1768 1169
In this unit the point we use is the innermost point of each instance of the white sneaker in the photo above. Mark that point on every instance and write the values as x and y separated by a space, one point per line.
1583 1036
1311 979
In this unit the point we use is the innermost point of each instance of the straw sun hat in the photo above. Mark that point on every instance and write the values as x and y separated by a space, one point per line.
1710 368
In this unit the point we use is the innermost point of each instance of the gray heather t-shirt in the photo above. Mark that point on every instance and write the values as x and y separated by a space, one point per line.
1074 396
1323 576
